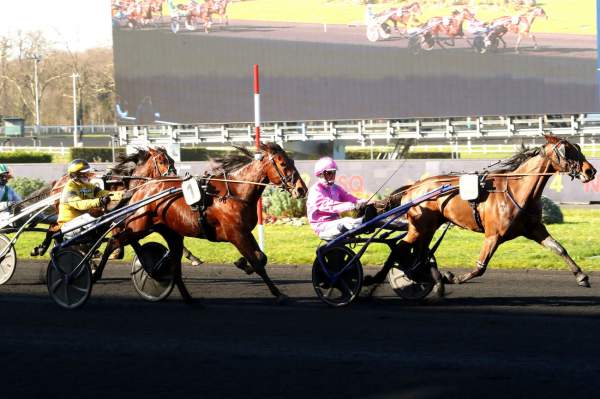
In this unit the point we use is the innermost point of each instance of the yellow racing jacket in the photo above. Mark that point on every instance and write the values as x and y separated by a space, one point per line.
78 198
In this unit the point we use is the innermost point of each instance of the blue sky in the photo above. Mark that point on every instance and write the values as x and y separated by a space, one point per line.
79 23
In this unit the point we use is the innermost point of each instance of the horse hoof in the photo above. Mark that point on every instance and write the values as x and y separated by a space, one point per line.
448 278
282 299
583 281
242 264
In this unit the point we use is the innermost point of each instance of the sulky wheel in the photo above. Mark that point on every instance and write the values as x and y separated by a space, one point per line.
175 25
156 283
8 262
414 44
372 33
337 289
408 288
385 31
68 285
479 44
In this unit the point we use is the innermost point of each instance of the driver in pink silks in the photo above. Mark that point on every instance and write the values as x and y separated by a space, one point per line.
327 202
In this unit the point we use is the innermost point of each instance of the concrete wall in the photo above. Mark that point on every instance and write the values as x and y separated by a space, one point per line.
367 176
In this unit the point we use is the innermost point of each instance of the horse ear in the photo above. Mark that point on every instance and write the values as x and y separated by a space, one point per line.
550 138
562 150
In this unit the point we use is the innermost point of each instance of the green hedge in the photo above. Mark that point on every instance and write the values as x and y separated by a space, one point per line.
94 154
25 157
202 154
25 185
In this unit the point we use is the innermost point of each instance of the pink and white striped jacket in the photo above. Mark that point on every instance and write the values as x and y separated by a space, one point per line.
325 203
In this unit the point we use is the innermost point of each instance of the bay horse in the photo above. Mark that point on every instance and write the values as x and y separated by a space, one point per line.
230 214
220 8
199 11
509 206
401 15
450 27
130 171
520 24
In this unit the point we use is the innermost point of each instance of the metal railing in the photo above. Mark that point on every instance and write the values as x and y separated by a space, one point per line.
364 131
66 130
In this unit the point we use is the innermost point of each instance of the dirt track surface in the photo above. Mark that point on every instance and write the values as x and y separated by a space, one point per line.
511 334
550 44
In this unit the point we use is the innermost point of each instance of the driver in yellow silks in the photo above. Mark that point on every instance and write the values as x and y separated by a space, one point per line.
79 196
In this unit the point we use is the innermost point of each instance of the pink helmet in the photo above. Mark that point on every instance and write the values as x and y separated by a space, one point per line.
323 164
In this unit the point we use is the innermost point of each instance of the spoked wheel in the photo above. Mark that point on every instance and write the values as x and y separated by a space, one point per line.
8 262
416 288
68 286
479 44
337 290
175 25
154 284
414 44
373 33
385 32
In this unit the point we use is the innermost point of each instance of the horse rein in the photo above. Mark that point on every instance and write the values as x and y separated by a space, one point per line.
170 168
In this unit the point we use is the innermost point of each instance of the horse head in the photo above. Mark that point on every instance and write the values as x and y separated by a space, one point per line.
161 163
414 8
568 158
538 12
467 15
148 162
281 170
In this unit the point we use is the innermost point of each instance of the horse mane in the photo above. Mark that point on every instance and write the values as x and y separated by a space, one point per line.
232 162
512 163
126 164
235 161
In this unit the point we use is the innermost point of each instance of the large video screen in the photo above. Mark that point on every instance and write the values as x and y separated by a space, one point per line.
181 61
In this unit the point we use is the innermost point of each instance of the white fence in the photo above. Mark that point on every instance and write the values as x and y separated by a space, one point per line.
440 130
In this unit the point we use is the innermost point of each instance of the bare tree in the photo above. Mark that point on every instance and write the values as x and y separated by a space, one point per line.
95 87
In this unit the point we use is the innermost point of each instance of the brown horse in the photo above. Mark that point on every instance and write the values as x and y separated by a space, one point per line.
220 8
197 11
403 14
130 171
509 206
520 24
449 27
230 214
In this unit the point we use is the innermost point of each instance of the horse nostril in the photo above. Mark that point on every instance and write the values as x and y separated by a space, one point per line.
590 172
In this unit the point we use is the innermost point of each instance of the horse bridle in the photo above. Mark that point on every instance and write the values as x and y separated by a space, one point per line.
573 166
170 170
287 182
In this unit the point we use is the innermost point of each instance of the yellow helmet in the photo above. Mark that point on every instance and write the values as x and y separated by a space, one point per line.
78 166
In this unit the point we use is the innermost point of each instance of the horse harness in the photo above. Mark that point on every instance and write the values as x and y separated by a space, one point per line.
483 182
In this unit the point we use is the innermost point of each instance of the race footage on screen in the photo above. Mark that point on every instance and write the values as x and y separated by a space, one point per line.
183 61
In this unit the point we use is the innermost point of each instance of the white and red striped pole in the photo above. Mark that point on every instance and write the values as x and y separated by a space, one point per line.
261 231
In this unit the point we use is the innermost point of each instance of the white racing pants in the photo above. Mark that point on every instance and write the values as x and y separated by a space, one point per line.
336 227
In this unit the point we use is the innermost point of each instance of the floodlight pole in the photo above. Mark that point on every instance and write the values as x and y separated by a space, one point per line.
75 138
36 59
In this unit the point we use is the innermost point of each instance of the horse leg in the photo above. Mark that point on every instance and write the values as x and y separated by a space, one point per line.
248 247
535 44
490 244
190 256
175 242
43 247
518 42
540 235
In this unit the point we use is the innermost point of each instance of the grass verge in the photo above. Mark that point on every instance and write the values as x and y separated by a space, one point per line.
296 246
